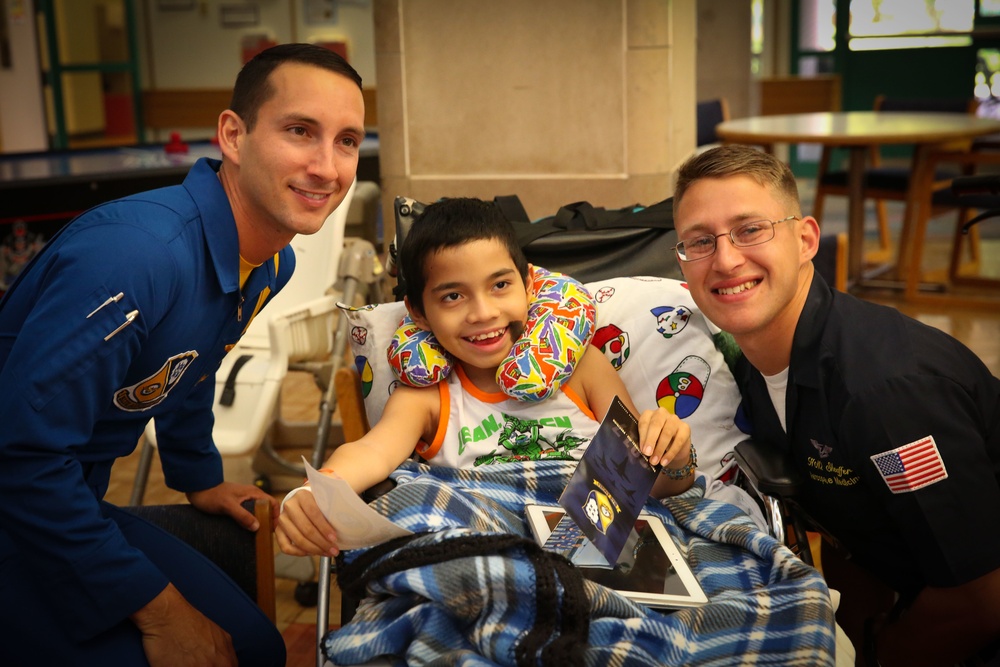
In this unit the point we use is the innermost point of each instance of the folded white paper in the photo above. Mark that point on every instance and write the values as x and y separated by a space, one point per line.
357 525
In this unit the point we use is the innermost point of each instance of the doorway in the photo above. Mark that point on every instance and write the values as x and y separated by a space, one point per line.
898 48
90 72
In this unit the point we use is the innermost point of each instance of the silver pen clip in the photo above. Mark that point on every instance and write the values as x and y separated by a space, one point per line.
128 320
112 299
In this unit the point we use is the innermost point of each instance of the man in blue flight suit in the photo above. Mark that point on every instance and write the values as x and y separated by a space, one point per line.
124 316
893 425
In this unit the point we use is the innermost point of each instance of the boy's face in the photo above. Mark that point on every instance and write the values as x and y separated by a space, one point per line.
472 294
745 290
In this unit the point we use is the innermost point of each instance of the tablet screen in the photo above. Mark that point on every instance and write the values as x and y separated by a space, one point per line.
650 571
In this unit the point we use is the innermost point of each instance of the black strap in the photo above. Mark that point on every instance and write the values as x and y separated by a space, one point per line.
583 216
229 391
512 208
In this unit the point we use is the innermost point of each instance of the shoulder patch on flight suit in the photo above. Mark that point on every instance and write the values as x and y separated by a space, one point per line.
147 393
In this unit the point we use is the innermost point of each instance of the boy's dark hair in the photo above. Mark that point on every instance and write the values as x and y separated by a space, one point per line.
253 86
448 223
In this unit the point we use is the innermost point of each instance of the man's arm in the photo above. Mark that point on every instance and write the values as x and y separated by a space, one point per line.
943 625
950 523
192 464
60 373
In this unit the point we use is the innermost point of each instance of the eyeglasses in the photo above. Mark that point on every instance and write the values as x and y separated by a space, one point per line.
747 234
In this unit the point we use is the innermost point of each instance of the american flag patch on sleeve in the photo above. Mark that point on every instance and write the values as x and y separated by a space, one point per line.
911 466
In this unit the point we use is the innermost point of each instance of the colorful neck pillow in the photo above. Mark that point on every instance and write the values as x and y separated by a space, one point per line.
560 324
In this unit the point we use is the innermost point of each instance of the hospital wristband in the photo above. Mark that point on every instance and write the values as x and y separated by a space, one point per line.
304 487
684 472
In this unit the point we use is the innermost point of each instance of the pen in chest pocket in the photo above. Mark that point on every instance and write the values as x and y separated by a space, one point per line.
113 299
128 320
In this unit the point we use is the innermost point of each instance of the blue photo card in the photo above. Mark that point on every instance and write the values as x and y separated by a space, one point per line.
611 483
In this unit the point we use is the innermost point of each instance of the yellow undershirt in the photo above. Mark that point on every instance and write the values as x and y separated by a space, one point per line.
245 269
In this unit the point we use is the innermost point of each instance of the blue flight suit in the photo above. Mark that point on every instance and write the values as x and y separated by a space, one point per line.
81 374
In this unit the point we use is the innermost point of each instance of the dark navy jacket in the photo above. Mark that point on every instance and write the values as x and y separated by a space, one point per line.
863 381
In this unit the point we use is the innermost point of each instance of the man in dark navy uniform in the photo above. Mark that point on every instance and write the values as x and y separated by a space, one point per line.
895 426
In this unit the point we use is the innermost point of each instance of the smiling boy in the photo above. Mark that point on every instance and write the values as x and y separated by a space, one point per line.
466 281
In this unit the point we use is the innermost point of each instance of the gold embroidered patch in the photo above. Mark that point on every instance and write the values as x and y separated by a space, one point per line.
150 392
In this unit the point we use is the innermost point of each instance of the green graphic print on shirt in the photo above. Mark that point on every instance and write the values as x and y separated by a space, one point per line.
524 439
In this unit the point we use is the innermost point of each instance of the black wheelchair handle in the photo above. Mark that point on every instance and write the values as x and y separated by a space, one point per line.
968 185
991 213
977 185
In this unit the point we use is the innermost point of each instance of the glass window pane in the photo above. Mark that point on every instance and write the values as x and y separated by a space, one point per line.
757 26
987 86
817 25
989 7
907 17
91 31
882 43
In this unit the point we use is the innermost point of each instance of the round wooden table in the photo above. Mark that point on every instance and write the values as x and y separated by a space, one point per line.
858 132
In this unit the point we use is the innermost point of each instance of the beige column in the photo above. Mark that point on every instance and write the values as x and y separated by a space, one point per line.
553 100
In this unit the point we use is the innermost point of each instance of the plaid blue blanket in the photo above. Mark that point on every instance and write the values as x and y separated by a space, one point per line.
472 588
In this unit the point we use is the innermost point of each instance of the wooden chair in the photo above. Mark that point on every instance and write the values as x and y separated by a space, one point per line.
781 95
962 269
248 558
884 182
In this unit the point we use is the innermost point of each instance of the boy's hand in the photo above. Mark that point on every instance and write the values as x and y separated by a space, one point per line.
664 438
302 529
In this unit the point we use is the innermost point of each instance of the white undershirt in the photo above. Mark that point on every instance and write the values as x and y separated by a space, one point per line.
777 384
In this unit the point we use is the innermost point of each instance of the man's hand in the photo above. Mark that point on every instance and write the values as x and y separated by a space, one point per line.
943 625
175 634
226 498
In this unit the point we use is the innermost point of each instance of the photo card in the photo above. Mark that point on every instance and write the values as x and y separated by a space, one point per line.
611 483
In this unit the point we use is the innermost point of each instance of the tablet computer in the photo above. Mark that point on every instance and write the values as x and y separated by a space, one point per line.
650 571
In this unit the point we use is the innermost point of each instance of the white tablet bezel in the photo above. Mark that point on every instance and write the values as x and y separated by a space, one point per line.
696 596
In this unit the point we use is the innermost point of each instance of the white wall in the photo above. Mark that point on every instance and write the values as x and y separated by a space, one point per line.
22 115
191 49
723 54
556 101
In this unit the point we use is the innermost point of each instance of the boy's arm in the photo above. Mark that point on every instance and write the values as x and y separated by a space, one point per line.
662 435
597 383
410 414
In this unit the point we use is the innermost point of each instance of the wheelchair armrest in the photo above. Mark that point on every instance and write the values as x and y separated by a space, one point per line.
378 490
768 470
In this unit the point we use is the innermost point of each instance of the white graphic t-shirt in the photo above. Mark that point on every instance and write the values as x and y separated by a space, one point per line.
478 428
